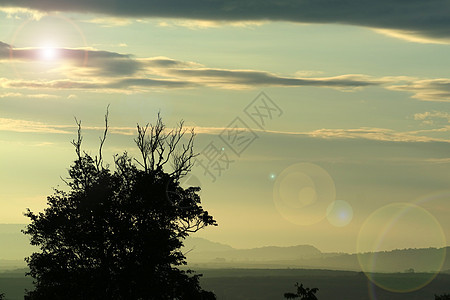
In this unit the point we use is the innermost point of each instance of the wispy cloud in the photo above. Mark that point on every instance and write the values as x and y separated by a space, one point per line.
16 12
35 96
27 126
378 134
430 19
83 61
432 117
363 133
123 86
100 66
109 21
15 125
438 161
202 24
413 36
250 78
106 71
11 95
428 89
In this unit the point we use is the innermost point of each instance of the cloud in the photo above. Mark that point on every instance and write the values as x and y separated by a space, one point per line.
109 21
428 89
98 70
250 78
15 125
362 133
438 161
123 85
216 78
165 62
88 61
365 133
42 96
93 69
430 118
16 12
378 134
202 24
426 18
4 50
412 36
35 96
26 126
434 114
10 95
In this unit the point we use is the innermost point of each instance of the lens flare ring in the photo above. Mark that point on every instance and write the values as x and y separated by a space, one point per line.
392 227
302 192
339 213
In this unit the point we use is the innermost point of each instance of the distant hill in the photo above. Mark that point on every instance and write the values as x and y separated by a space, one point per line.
203 245
203 253
201 250
397 261
15 246
403 260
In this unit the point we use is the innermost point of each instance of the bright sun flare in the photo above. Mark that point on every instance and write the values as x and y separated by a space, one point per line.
49 53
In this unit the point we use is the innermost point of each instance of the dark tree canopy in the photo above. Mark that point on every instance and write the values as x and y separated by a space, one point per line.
303 293
116 234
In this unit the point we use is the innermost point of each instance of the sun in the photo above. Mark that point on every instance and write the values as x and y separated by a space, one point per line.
49 53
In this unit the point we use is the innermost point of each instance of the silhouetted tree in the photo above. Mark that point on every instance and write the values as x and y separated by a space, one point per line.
290 295
442 297
116 234
302 293
2 296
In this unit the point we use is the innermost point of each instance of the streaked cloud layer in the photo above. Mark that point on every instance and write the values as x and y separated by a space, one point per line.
363 133
416 17
98 70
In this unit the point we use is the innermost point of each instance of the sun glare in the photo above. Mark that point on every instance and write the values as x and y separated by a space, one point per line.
48 53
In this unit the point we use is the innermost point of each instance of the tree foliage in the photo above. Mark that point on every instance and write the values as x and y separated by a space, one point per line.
303 293
116 234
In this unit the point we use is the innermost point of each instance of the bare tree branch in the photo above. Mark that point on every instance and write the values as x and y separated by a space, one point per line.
77 143
158 148
142 145
99 160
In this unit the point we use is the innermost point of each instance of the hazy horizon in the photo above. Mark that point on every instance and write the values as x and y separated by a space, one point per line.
19 247
329 125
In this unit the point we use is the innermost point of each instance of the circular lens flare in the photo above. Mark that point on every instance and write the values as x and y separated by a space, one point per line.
302 192
401 226
339 213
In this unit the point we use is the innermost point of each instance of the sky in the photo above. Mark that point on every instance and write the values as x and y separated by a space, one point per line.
318 122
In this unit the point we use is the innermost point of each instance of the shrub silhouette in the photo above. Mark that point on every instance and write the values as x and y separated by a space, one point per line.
302 293
442 297
116 234
290 295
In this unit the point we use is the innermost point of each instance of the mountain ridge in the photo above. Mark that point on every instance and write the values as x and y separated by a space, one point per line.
205 253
